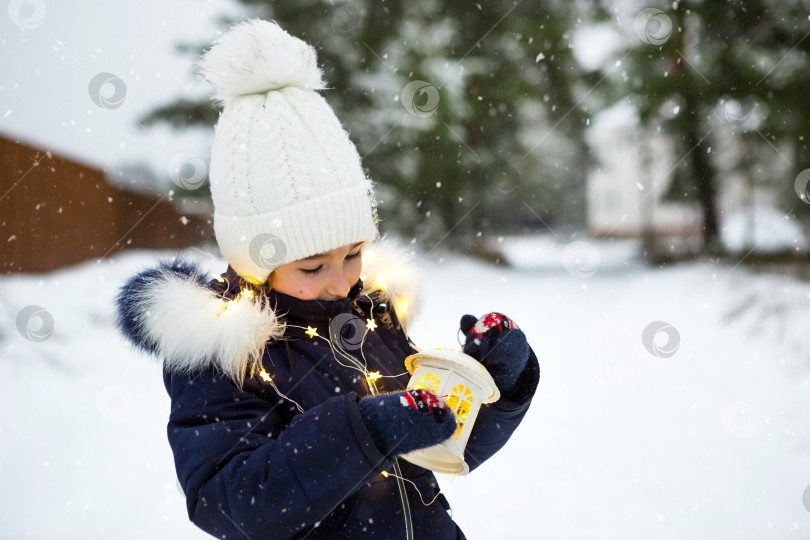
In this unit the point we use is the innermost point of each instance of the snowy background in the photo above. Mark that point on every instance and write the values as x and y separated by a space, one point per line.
710 442
707 439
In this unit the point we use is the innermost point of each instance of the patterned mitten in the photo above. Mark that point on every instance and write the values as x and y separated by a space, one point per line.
404 421
497 342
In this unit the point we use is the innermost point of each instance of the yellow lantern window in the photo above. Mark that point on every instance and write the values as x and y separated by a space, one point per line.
459 427
460 400
429 382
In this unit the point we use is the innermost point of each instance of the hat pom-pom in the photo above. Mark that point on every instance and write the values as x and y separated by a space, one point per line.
256 56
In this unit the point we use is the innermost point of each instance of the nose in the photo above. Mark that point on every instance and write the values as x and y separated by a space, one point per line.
339 285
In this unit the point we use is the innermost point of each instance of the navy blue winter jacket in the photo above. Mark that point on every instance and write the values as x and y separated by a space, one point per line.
250 463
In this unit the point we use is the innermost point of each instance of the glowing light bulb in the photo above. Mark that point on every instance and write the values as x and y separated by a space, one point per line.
370 324
403 306
247 293
373 376
228 305
265 376
311 332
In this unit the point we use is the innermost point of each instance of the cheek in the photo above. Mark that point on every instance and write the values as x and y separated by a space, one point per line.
356 268
301 286
309 286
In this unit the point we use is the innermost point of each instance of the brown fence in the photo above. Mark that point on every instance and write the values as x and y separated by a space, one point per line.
56 212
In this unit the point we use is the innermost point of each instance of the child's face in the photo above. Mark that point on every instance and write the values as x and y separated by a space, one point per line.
326 276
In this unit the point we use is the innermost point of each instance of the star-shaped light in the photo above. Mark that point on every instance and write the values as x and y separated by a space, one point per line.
311 332
373 376
247 293
370 324
265 376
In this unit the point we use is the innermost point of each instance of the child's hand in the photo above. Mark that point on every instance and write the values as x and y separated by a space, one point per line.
404 421
497 342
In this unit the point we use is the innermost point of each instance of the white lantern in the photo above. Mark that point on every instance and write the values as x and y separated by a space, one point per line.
465 385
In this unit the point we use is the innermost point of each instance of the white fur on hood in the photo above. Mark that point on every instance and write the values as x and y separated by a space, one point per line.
391 269
191 326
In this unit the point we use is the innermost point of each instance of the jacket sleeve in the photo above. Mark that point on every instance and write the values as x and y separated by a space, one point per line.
497 421
248 475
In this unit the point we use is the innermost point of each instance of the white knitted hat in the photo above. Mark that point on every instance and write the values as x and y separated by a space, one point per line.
286 180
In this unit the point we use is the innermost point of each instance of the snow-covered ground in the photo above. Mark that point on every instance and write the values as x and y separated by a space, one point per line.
708 439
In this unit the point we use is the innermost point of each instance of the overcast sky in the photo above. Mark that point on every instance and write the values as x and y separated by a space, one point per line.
47 68
53 52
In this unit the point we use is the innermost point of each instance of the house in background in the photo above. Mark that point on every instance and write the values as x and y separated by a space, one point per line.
55 211
623 195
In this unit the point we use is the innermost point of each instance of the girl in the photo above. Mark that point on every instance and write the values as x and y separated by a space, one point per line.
285 373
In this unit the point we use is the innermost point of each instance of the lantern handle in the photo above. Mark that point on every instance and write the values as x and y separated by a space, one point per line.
459 341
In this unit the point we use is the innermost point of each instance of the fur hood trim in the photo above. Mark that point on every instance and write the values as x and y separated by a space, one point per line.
171 311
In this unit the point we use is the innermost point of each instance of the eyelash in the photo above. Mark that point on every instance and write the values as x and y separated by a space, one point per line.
316 270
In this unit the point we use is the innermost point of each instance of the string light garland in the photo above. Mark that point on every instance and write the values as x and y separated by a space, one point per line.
442 490
249 289
267 378
372 386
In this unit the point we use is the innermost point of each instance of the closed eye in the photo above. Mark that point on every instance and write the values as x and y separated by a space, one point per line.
318 269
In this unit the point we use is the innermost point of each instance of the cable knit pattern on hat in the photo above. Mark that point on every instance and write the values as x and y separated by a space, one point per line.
286 179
